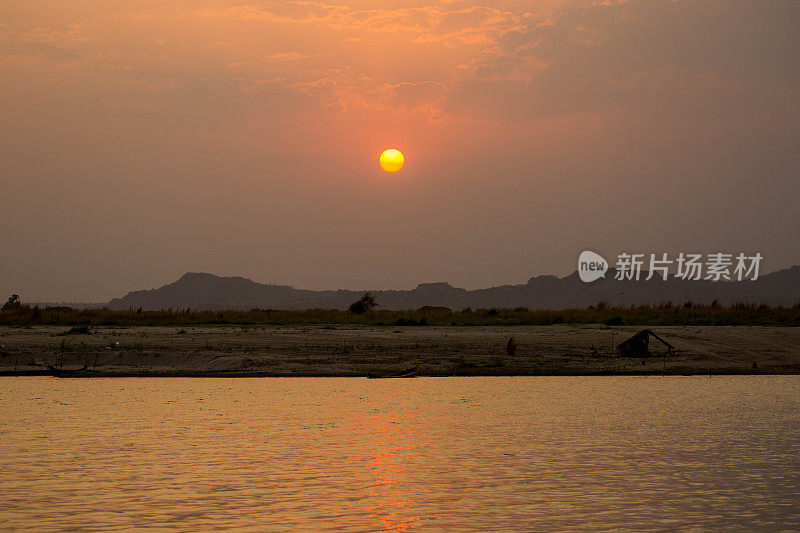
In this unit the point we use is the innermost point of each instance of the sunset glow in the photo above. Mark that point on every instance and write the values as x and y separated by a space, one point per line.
217 121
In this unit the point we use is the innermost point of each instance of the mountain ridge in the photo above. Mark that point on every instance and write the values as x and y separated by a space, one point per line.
202 290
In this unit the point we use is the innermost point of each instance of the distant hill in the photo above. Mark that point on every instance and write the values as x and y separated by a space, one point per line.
207 291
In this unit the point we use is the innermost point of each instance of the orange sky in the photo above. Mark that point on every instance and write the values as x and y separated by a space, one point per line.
143 139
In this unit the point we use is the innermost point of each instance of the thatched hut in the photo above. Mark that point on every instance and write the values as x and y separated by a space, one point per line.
639 345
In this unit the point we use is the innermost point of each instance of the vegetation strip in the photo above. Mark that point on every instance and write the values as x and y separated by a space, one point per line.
667 314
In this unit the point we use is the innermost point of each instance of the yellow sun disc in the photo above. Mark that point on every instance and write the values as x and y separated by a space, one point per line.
392 160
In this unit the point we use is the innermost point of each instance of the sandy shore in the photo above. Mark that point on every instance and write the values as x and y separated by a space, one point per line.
354 351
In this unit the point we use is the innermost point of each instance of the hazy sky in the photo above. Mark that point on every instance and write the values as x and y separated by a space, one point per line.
143 139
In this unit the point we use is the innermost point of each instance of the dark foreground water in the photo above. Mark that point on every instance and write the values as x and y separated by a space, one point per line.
449 454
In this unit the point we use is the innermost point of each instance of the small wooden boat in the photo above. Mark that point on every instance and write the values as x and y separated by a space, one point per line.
61 373
409 373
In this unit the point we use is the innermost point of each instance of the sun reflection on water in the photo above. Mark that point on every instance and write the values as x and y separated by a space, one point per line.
390 451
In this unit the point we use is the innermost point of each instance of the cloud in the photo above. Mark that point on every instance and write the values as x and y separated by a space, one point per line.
440 23
291 56
452 58
467 40
28 44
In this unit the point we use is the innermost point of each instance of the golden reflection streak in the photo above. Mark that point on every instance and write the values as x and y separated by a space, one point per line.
388 449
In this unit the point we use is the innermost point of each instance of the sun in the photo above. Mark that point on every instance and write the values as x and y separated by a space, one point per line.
392 160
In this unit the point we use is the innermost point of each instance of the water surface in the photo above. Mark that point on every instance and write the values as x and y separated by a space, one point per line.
450 454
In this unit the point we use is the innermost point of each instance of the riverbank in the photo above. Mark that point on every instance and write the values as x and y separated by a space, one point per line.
250 351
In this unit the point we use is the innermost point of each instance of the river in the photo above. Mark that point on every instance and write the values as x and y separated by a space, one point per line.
436 454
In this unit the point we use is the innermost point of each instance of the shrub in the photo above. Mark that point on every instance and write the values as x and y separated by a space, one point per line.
12 303
366 303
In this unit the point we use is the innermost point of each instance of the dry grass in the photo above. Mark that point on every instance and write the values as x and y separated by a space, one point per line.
662 315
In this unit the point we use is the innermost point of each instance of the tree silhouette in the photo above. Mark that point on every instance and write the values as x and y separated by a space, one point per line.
12 303
366 303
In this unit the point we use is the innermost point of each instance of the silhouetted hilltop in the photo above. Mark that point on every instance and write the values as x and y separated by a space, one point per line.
207 291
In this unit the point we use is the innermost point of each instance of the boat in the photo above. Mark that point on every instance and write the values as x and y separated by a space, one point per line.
409 373
61 373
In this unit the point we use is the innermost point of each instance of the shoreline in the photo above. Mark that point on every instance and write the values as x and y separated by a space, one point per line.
347 351
77 374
